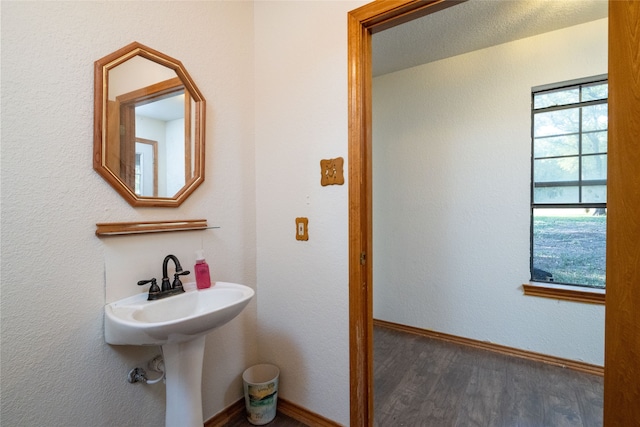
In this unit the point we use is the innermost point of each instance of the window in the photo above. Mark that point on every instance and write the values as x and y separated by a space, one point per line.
569 183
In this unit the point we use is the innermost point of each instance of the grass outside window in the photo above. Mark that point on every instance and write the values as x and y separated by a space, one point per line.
571 244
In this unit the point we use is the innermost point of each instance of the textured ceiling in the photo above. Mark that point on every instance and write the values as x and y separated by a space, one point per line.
473 25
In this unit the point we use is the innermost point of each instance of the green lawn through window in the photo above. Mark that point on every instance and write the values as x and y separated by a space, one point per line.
572 248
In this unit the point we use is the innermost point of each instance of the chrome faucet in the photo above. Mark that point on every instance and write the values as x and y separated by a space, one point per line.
167 289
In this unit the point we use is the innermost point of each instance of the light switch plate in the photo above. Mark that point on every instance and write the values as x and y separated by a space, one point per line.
302 228
332 171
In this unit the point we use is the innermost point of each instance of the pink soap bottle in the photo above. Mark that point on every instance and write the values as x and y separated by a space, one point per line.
203 278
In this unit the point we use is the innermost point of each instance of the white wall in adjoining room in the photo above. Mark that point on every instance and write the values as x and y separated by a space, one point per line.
452 147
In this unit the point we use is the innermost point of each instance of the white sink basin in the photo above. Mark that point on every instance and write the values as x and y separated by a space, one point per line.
174 319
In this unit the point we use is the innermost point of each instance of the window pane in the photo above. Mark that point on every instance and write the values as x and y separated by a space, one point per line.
594 117
594 167
595 92
542 195
566 145
552 170
569 151
559 97
558 122
594 142
568 246
594 194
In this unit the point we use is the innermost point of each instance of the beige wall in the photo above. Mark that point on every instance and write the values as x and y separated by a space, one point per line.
301 118
274 75
56 368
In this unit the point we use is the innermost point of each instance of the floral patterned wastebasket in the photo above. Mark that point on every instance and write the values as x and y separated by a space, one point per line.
261 393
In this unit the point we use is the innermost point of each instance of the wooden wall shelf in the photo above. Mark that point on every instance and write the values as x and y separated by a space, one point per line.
124 228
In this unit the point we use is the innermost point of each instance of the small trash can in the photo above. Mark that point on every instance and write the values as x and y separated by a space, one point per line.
261 393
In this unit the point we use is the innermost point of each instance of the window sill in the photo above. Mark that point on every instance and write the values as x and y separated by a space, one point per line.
565 292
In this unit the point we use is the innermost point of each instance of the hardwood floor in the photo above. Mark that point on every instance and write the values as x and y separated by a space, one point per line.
280 420
421 381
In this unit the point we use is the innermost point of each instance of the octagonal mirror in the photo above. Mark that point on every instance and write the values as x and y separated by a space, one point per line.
149 120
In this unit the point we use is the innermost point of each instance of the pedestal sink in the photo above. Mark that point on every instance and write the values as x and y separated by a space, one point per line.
179 324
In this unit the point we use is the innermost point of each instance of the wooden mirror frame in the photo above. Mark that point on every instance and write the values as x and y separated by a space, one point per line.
197 117
622 321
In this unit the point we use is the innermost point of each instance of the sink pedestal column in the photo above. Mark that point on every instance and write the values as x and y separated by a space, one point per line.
183 367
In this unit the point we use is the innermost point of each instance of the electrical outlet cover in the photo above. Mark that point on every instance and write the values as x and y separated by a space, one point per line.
332 171
302 228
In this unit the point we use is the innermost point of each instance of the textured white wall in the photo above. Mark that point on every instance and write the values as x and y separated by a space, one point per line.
452 248
301 118
56 368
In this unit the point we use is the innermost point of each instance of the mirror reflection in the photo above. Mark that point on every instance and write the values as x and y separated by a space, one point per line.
150 137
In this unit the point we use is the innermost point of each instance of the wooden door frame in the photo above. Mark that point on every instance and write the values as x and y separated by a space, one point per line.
622 324
622 302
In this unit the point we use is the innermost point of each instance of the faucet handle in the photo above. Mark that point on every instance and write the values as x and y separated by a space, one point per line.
154 290
176 280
